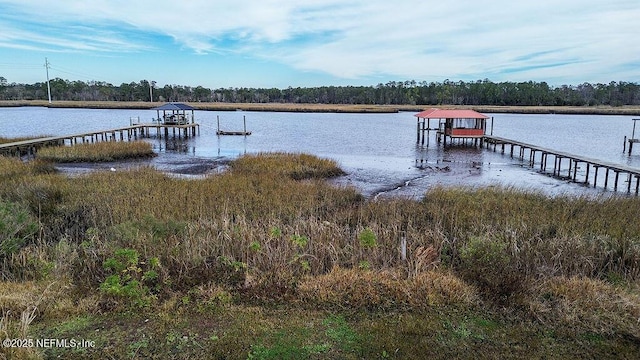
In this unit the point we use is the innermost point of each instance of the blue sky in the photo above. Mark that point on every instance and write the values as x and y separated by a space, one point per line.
281 43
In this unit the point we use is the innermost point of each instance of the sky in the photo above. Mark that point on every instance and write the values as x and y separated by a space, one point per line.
282 43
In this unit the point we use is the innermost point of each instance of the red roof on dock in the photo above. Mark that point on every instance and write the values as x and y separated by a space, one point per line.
450 114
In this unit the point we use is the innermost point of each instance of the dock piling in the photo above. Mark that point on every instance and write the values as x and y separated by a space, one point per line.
574 160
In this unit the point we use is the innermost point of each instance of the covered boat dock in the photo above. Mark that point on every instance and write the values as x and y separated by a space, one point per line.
453 124
175 114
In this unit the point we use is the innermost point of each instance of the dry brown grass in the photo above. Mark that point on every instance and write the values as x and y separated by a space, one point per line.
588 305
216 106
365 289
294 166
23 304
337 108
97 152
39 297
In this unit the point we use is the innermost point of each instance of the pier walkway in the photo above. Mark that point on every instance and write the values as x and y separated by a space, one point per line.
127 133
573 161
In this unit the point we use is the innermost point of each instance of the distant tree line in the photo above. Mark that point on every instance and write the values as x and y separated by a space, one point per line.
481 92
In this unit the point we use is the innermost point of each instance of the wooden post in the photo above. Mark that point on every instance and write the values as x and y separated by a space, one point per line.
595 176
615 186
244 120
586 178
532 157
218 118
629 183
559 158
606 178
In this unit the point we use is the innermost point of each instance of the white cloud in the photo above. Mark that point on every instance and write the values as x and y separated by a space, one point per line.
588 39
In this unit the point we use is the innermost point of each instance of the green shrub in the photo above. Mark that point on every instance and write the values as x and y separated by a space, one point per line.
130 278
368 238
17 228
488 263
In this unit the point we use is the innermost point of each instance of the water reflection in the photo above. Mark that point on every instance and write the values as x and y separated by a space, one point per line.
178 145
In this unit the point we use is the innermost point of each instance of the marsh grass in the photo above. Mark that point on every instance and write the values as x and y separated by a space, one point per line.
335 108
105 151
291 165
586 303
272 231
380 290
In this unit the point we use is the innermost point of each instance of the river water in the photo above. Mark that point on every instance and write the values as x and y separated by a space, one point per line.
378 151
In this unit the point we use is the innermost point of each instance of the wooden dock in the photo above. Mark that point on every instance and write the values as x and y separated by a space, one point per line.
632 140
244 132
528 150
127 133
222 132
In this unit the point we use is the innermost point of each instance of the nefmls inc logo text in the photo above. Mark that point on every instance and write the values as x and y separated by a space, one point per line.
65 343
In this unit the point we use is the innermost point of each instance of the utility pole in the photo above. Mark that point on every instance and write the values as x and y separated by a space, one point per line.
46 65
151 85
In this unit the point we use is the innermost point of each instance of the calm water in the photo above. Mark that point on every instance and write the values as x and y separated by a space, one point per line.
378 151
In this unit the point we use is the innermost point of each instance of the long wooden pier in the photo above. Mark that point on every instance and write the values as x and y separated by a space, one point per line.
572 166
127 133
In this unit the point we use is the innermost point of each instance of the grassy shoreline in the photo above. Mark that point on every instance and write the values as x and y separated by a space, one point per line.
270 261
331 108
97 152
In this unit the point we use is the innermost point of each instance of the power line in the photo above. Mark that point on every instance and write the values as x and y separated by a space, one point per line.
75 73
58 69
18 66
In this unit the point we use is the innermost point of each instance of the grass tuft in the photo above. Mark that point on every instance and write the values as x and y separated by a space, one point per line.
294 166
376 290
98 152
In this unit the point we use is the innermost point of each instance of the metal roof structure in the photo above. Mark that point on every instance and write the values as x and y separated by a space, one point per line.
450 114
173 107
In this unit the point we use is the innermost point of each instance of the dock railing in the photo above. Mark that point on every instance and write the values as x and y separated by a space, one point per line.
573 161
